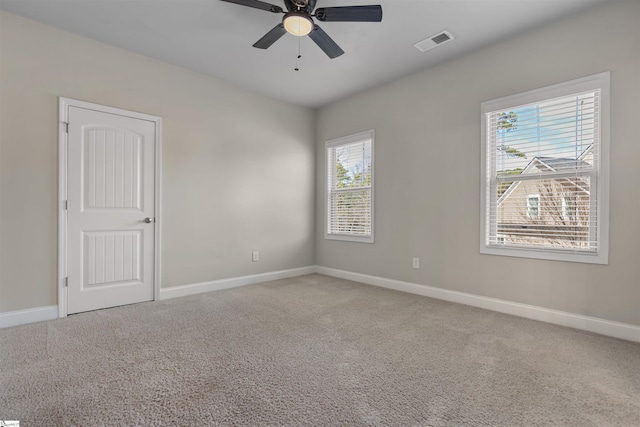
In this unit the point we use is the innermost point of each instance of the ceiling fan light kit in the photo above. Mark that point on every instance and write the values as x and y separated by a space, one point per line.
298 21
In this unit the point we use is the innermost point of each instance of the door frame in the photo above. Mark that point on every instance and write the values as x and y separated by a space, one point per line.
63 152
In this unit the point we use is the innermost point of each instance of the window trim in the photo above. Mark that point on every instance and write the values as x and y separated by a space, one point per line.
349 139
599 81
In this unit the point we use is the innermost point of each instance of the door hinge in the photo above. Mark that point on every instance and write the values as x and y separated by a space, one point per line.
66 282
66 205
66 126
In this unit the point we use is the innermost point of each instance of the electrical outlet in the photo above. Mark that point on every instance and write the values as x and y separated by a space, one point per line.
255 256
416 263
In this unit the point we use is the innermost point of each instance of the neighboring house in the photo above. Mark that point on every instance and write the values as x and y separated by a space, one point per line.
547 212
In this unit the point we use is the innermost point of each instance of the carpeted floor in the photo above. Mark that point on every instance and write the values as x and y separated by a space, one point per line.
313 350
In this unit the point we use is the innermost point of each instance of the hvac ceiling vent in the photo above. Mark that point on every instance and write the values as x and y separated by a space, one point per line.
433 41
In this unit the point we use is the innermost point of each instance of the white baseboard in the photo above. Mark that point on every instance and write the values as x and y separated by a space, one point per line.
577 321
30 315
592 324
39 314
234 282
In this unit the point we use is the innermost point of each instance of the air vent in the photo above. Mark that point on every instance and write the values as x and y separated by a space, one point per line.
433 41
441 38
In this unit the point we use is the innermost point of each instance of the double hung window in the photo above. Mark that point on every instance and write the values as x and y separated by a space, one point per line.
350 188
545 172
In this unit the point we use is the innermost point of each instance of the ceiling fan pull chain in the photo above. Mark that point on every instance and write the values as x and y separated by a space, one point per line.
299 56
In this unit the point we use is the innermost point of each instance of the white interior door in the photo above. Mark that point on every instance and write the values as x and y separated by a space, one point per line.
111 210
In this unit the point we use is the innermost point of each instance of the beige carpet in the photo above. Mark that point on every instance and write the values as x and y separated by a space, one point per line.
313 351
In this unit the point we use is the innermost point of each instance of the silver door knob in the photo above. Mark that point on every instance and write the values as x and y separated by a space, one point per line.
148 220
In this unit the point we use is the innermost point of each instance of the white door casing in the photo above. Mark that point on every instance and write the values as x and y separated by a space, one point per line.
110 253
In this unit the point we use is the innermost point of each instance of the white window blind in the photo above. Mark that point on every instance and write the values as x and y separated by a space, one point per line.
350 188
543 172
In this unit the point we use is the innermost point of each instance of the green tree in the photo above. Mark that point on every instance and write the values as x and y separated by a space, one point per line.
508 122
342 176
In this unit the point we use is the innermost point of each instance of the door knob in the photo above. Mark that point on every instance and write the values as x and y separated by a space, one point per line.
148 220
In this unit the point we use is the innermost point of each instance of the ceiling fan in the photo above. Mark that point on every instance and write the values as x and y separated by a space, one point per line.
298 20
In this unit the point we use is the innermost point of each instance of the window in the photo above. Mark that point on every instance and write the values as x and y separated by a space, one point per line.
545 173
533 206
569 207
350 188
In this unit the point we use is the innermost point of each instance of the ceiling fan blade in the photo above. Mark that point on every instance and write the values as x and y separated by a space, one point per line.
257 5
350 14
271 37
325 42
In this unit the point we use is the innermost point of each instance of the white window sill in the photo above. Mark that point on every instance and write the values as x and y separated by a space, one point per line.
348 238
547 254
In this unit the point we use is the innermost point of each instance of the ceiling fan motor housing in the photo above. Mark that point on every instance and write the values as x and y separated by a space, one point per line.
300 5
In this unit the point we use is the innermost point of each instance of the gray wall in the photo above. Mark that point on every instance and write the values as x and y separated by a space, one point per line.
239 171
427 172
238 168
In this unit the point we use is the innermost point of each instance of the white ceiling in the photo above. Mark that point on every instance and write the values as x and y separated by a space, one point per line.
215 38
